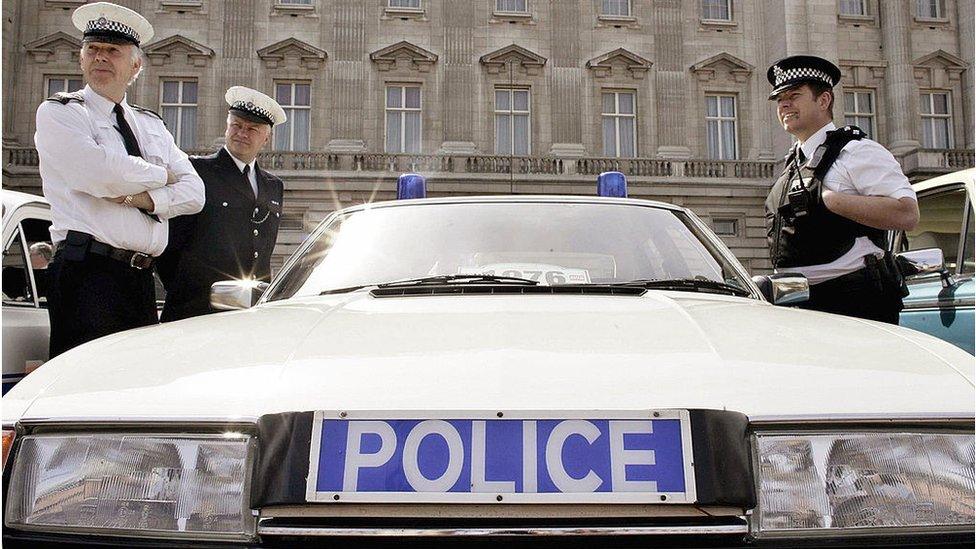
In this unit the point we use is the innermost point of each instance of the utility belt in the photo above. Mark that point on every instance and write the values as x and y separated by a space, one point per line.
78 245
882 273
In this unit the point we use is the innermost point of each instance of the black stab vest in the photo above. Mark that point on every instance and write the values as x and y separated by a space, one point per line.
820 236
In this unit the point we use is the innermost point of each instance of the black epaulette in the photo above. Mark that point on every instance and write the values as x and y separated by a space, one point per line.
145 110
66 97
827 153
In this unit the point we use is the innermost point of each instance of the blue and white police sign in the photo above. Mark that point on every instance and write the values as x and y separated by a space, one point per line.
411 185
515 457
613 184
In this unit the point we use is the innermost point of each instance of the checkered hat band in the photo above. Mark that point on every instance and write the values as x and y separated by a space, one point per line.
104 25
252 108
804 73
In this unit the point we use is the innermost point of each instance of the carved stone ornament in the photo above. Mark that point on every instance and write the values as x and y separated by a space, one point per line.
280 54
737 68
403 55
529 62
178 48
45 49
619 59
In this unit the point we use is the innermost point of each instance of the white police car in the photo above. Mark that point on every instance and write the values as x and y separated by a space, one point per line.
26 251
498 367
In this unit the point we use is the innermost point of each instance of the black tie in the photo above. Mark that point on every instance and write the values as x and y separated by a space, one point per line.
246 173
131 144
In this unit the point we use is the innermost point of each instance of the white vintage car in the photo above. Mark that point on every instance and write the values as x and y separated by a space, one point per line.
26 329
499 367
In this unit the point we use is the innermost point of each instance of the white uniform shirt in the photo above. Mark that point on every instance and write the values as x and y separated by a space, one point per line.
251 177
863 167
83 163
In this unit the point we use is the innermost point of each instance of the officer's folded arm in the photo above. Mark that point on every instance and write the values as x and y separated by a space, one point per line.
64 138
879 212
185 196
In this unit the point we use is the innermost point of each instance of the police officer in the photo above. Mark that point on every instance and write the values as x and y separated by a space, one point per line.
827 214
234 235
114 177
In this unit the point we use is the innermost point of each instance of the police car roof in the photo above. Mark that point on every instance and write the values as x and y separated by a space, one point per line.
15 199
966 177
516 199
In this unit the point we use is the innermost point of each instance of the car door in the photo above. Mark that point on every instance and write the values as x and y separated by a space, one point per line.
944 310
26 328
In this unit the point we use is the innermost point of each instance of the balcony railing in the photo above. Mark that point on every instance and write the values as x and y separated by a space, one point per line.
26 157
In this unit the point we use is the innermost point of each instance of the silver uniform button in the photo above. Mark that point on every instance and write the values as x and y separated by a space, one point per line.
255 232
255 255
225 204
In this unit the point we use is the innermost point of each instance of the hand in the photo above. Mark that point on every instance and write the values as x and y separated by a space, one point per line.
142 201
171 177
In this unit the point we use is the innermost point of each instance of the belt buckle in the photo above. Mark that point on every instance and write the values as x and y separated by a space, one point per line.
138 257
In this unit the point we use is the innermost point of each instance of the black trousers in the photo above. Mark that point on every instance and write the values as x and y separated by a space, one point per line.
858 294
95 297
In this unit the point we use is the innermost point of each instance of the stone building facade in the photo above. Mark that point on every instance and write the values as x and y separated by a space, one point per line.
521 96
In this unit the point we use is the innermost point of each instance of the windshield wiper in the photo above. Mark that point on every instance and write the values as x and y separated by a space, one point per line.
687 284
346 290
460 279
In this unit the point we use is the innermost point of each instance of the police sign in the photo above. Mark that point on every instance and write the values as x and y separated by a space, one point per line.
524 457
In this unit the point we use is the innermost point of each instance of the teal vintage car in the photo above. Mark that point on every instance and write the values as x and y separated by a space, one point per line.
941 303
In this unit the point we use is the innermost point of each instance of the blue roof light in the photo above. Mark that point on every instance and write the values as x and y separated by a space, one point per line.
411 185
612 184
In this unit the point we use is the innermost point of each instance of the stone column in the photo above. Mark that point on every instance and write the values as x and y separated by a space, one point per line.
670 80
966 49
902 94
236 63
797 27
348 78
763 118
14 13
458 71
566 81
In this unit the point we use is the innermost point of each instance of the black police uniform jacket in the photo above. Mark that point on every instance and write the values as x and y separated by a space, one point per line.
232 237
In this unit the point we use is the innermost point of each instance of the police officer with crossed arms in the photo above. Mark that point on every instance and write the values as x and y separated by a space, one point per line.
827 214
114 177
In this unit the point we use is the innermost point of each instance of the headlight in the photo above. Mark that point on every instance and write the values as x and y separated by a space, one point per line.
842 482
132 485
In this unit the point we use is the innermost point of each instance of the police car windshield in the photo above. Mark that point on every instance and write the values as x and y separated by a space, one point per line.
552 243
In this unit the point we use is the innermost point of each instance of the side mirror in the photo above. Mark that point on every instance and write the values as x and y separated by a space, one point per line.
783 288
228 295
924 262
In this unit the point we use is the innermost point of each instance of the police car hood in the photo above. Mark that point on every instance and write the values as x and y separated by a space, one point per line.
504 352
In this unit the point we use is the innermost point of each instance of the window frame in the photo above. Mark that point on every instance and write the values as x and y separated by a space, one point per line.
402 110
629 15
390 7
719 118
872 116
940 9
18 235
499 11
64 78
899 241
289 111
616 115
180 105
511 113
864 9
932 116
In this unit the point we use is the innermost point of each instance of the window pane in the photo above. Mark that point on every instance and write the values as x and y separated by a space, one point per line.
171 92
715 9
711 105
503 134
521 134
171 117
54 85
849 102
190 92
188 128
627 148
413 98
626 103
521 100
714 152
939 224
609 137
392 132
728 106
616 7
393 96
927 140
941 133
16 281
303 94
852 7
865 102
282 138
510 5
301 117
925 103
608 103
75 85
413 136
283 94
941 103
728 140
502 100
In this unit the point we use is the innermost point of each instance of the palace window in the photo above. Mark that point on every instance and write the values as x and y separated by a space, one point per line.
716 10
178 106
720 123
512 121
295 99
403 119
619 124
859 110
936 112
56 84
